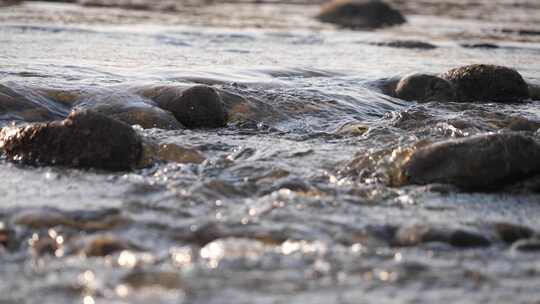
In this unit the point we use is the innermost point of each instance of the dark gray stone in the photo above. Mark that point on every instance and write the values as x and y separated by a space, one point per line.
482 162
511 233
419 234
406 44
199 106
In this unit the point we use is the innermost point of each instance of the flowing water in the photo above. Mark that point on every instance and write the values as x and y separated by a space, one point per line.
291 201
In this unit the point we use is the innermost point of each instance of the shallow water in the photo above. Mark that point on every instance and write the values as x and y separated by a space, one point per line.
291 202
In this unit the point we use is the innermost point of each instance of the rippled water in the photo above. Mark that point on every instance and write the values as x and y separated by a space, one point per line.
291 202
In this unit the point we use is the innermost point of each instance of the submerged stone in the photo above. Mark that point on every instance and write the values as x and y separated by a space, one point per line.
406 44
419 234
489 83
361 14
511 233
528 245
199 106
424 88
46 217
104 245
482 162
170 152
480 45
148 118
84 139
164 279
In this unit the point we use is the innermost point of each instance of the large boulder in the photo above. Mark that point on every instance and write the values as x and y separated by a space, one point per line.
482 162
488 83
360 14
84 139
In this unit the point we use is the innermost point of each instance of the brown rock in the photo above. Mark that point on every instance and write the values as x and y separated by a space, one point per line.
424 88
46 217
489 83
103 245
360 14
85 139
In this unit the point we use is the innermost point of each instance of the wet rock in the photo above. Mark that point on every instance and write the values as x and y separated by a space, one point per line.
534 91
522 124
204 233
482 162
418 234
80 219
115 102
148 118
44 245
488 83
170 152
424 88
521 32
126 4
84 139
511 233
528 245
352 129
5 235
406 44
461 238
16 107
103 245
480 45
294 184
144 279
529 185
199 106
40 218
360 14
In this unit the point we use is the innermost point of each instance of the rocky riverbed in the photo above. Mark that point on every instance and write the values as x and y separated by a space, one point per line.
319 178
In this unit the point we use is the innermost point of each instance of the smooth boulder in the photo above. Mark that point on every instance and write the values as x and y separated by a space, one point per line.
481 162
487 83
360 14
84 139
198 106
424 88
